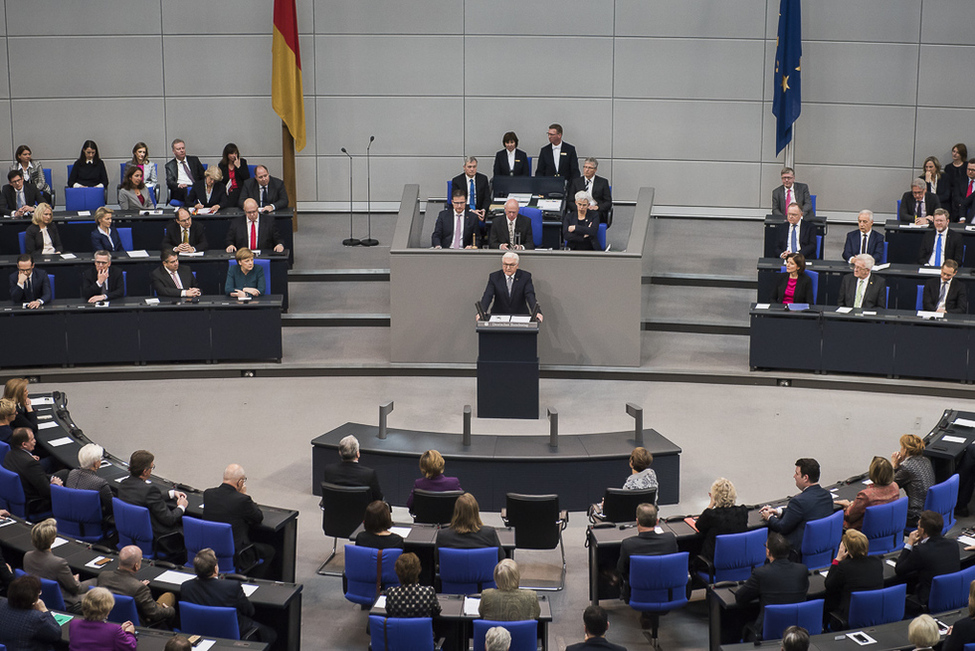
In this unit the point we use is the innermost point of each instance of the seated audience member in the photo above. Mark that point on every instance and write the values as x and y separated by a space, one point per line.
42 563
962 632
497 638
8 411
963 194
104 237
21 460
780 581
209 194
208 589
376 524
29 285
432 465
136 489
510 161
853 570
913 473
134 194
794 638
862 288
508 290
722 516
101 282
25 622
89 170
234 171
174 280
183 236
812 503
178 643
957 174
596 188
647 542
944 294
267 191
508 602
33 171
448 233
182 171
230 503
245 279
796 235
475 186
926 554
140 159
795 285
85 477
466 530
409 598
19 198
124 581
864 239
94 631
514 232
641 477
18 390
790 192
580 227
595 625
557 158
253 231
936 182
923 633
882 490
42 236
349 472
918 205
941 244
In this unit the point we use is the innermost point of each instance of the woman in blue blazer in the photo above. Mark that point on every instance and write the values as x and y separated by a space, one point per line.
104 237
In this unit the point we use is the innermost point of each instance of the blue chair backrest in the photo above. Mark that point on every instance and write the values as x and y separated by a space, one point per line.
535 215
218 536
134 526
125 236
253 172
812 201
819 247
884 259
941 498
737 554
152 193
50 278
524 633
12 493
821 539
209 621
124 610
121 171
84 198
466 571
125 283
263 264
919 303
875 607
51 594
601 236
950 591
807 614
658 583
4 449
401 633
360 572
78 512
530 165
22 240
814 276
883 525
48 177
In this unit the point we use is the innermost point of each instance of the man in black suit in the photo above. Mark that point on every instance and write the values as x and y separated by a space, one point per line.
173 280
596 187
253 231
29 285
797 235
510 290
944 294
557 158
647 542
862 288
21 460
791 192
102 282
812 503
480 199
447 235
19 198
595 624
927 554
780 581
230 503
514 232
941 244
864 239
182 171
183 236
918 205
138 490
349 472
208 589
269 192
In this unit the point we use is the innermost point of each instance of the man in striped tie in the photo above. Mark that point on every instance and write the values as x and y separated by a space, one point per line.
790 192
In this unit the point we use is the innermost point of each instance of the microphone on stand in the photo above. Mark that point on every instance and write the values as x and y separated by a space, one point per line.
369 241
351 241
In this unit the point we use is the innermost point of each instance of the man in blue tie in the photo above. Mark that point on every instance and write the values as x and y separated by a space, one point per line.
475 186
796 235
941 244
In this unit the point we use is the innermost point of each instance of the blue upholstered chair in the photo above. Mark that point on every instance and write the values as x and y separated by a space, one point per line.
658 584
208 621
466 571
821 539
535 215
950 591
524 633
78 512
883 525
124 610
942 498
875 607
807 614
361 566
401 634
735 556
218 536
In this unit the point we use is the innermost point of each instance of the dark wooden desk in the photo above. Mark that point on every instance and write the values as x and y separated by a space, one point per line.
904 241
151 639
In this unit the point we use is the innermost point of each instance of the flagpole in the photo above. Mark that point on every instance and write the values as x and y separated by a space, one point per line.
288 168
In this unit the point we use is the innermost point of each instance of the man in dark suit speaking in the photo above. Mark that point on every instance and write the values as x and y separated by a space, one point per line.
511 290
349 472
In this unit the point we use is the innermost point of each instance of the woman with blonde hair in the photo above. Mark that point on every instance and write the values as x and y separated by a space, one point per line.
95 632
913 473
923 632
431 465
853 570
42 235
16 389
42 563
882 489
722 515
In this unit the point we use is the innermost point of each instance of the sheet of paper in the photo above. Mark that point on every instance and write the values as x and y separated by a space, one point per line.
869 313
891 562
967 541
204 645
84 213
58 542
658 529
549 204
139 253
862 638
193 254
47 425
68 256
970 228
404 532
961 422
824 573
6 521
173 577
522 199
380 602
929 271
762 306
45 417
844 310
500 318
520 319
924 314
64 440
954 439
867 482
472 606
44 400
881 267
249 588
93 563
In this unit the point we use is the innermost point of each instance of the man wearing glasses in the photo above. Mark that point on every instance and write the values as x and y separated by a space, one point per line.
459 228
183 236
791 192
509 289
102 282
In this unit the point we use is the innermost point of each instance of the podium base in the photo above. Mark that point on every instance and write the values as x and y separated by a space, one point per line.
507 389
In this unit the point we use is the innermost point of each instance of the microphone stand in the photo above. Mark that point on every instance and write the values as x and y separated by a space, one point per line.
351 241
369 241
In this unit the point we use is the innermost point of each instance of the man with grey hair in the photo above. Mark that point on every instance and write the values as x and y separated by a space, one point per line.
795 638
230 503
124 581
349 472
647 542
497 639
918 204
510 290
84 477
596 187
862 288
864 239
475 186
514 232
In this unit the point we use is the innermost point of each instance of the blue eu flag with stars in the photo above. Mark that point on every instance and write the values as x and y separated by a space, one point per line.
787 101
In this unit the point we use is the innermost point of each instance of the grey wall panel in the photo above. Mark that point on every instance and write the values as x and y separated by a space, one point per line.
942 68
855 135
735 186
108 17
388 17
389 174
885 21
306 177
695 18
423 126
3 17
569 17
688 69
389 65
947 21
5 82
185 67
856 188
203 123
6 135
861 73
227 16
938 129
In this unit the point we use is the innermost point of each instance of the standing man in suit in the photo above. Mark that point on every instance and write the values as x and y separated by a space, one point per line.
943 294
475 187
138 490
19 198
596 187
230 503
182 171
791 192
29 285
21 460
927 554
941 244
780 581
918 205
813 503
796 235
252 231
183 236
511 161
514 232
862 288
647 542
269 192
172 280
511 290
101 282
864 239
458 228
557 158
349 472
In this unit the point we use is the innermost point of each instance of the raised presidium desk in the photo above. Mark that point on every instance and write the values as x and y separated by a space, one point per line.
74 331
507 369
579 471
152 639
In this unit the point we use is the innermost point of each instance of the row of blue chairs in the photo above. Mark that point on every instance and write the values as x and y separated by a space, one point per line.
416 634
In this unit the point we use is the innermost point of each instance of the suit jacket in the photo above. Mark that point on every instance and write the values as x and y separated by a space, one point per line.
241 174
174 236
32 196
522 298
129 199
509 606
482 189
277 195
27 630
163 283
954 249
40 283
501 164
577 239
567 167
875 245
172 173
218 196
485 537
225 504
99 241
926 560
45 565
595 644
89 284
600 194
352 473
439 483
801 196
956 302
268 236
140 493
126 583
875 295
443 230
225 593
37 485
807 239
803 292
852 575
778 582
811 504
34 239
499 232
907 209
645 543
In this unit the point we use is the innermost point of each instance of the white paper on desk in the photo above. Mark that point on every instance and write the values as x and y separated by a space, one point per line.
968 541
881 267
47 425
762 306
870 313
249 588
84 213
520 319
862 641
205 211
954 439
924 314
961 422
142 253
970 228
64 440
867 482
121 479
46 400
844 310
204 645
105 462
58 542
68 256
913 226
549 204
173 577
403 532
522 199
472 606
152 301
380 602
891 562
45 417
824 573
93 563
5 521
929 271
192 254
500 318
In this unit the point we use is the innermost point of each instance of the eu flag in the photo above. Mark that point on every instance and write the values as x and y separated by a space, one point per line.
787 101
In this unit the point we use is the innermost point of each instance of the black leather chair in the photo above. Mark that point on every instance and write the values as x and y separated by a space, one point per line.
434 507
343 508
538 524
620 505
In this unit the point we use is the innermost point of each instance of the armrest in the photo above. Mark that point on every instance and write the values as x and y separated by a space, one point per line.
837 622
709 565
245 569
564 518
438 645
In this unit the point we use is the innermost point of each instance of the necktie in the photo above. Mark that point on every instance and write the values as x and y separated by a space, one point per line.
942 295
20 199
794 247
175 276
861 285
937 252
253 235
186 236
186 168
511 232
264 196
29 289
918 212
788 198
471 199
863 243
971 186
510 281
458 230
589 187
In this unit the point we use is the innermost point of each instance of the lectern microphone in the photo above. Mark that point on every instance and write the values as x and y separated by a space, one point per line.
369 241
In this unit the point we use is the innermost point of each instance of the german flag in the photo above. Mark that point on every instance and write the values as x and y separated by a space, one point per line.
287 95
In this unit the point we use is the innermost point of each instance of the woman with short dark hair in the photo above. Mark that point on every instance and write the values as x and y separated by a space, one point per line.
795 285
25 623
511 161
376 524
409 598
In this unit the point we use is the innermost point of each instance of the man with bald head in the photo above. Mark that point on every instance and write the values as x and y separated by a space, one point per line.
514 232
124 581
254 231
268 192
230 503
